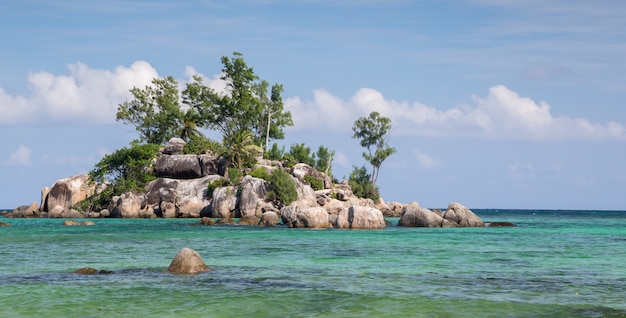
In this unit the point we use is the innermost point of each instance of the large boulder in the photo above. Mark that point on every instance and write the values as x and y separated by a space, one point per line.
190 196
193 197
174 146
187 261
269 219
315 217
160 190
67 192
252 198
126 205
413 215
462 216
178 166
26 211
360 217
287 211
224 203
334 206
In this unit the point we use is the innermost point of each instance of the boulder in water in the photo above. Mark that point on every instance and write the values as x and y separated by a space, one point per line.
187 261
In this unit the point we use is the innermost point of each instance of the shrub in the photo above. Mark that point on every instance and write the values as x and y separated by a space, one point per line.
315 183
260 173
234 175
361 184
282 188
213 185
125 170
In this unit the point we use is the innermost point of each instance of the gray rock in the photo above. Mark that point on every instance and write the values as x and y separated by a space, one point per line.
462 216
67 192
270 219
174 146
315 217
415 216
187 261
178 166
252 198
360 217
126 205
224 203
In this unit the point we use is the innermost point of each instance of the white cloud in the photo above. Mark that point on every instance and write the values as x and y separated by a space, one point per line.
426 161
87 94
21 157
502 114
92 96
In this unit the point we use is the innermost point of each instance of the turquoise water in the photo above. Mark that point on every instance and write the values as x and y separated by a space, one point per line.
554 264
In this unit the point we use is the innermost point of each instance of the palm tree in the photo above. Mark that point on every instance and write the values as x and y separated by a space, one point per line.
241 148
189 126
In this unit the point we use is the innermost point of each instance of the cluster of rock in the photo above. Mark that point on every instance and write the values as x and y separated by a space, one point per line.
182 191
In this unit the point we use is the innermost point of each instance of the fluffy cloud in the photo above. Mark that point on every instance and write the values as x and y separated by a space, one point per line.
502 114
85 94
92 95
21 157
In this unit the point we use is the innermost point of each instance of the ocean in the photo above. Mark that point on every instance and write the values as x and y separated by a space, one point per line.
552 264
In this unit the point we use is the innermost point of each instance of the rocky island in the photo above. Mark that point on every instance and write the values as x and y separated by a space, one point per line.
185 189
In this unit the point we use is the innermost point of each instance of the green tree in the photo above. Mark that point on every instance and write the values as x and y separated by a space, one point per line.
155 111
275 153
373 131
245 106
240 149
301 153
126 169
324 161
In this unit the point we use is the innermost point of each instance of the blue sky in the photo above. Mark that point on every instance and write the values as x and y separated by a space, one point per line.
494 104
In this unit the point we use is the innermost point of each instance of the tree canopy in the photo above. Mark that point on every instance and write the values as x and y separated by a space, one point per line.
246 105
373 131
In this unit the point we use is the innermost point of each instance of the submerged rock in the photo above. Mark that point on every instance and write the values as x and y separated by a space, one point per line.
187 261
91 271
499 224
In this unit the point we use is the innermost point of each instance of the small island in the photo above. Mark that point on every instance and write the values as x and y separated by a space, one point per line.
174 171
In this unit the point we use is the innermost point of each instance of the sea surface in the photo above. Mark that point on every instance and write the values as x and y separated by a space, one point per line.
553 264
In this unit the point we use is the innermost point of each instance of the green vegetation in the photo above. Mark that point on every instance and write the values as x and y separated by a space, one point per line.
248 114
282 188
127 169
324 161
361 184
374 133
260 173
217 183
315 183
200 144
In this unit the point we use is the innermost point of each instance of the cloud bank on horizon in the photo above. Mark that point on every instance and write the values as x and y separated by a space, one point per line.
93 95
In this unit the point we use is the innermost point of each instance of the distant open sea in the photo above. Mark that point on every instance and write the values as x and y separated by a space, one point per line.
553 264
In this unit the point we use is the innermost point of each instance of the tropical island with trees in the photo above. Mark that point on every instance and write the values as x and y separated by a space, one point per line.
174 171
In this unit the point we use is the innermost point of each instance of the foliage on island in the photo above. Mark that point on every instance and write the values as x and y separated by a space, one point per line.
247 115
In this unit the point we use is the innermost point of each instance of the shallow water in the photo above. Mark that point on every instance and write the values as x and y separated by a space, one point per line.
553 264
